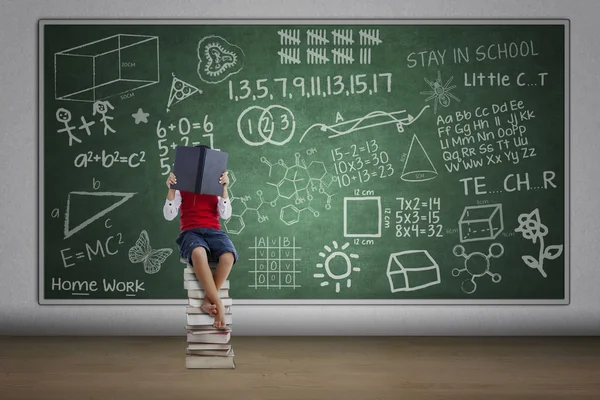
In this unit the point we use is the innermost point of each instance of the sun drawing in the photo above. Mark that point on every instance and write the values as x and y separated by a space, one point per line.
345 270
440 93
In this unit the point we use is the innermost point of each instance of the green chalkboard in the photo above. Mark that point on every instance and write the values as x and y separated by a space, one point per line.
370 161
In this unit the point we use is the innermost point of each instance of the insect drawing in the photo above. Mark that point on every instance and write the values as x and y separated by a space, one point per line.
440 93
142 252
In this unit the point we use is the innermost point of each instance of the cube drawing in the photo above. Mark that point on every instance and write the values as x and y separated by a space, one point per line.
107 67
481 222
412 270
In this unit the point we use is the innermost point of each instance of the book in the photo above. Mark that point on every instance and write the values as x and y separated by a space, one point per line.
198 310
209 337
206 319
200 329
198 170
190 275
200 294
195 285
227 302
210 353
195 361
208 346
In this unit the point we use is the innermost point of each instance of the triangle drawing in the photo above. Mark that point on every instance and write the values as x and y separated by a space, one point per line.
418 166
119 198
180 91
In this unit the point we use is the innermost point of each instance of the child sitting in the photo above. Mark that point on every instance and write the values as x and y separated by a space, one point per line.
201 236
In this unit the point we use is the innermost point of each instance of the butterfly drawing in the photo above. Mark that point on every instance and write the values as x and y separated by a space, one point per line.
142 252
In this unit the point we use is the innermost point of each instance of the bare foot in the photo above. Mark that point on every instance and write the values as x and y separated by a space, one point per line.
208 307
220 317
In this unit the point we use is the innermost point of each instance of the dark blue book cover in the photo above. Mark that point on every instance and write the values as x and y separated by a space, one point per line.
198 170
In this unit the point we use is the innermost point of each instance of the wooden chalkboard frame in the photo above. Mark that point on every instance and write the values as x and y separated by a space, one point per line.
42 300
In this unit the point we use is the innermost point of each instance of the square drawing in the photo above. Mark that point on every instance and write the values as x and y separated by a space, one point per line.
362 216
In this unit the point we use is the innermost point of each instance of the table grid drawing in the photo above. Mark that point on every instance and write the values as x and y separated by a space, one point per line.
271 270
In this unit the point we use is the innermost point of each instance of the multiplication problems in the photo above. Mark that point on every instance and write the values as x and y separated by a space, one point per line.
108 159
313 86
184 127
418 217
361 162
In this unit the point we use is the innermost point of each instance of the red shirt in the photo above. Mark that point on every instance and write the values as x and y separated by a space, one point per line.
199 211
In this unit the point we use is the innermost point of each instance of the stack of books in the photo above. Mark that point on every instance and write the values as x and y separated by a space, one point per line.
207 346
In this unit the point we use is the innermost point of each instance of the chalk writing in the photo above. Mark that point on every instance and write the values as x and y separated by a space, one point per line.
418 217
511 183
486 136
101 248
275 263
85 288
361 162
109 159
312 86
500 79
184 127
458 55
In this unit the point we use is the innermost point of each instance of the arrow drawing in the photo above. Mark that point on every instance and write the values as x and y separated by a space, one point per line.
368 121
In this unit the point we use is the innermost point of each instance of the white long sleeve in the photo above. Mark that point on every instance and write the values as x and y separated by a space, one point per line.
171 207
224 207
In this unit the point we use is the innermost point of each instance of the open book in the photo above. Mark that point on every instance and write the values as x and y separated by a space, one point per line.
198 170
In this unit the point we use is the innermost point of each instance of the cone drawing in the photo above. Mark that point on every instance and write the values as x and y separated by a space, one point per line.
418 166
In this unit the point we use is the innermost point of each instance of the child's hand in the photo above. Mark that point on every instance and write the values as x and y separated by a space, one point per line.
171 180
224 179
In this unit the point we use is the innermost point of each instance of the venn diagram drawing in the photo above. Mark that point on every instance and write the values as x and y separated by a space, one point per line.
273 125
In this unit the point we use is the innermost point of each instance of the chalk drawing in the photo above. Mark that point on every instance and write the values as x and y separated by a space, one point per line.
101 107
418 167
532 228
376 200
440 93
141 252
71 231
140 116
346 270
106 68
180 91
370 120
412 270
477 265
218 59
275 120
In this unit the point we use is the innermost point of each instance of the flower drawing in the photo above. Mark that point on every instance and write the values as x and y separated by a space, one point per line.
531 228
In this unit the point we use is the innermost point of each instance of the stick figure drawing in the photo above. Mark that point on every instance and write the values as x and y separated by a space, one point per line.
101 107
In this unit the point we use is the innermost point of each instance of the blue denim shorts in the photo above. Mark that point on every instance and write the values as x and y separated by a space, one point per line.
215 241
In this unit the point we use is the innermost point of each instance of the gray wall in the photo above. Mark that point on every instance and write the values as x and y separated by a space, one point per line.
20 313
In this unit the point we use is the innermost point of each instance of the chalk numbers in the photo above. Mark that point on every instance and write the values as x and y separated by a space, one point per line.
360 163
109 158
269 123
417 217
185 127
312 86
